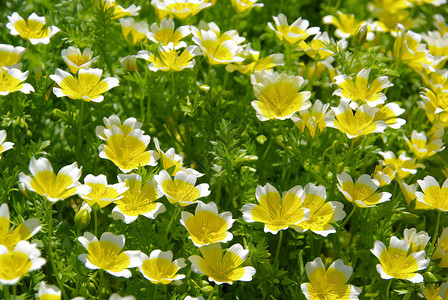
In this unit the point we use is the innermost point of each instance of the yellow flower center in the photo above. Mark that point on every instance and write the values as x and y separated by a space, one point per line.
51 185
31 29
15 264
106 255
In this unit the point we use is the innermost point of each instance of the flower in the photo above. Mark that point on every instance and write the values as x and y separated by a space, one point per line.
10 56
295 33
318 47
312 120
245 5
106 254
127 151
182 188
416 240
33 29
252 61
24 231
409 191
221 269
159 267
389 113
17 263
403 165
102 193
206 226
433 195
279 96
441 251
346 25
4 146
384 174
277 213
322 213
48 292
354 123
390 13
129 63
432 2
435 105
421 147
133 31
217 50
169 59
179 9
128 125
11 81
432 292
437 46
87 87
363 192
361 90
138 199
165 33
440 23
398 261
329 284
116 296
119 11
52 186
76 60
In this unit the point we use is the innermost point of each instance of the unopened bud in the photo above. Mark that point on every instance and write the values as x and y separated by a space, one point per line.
82 217
129 63
205 88
361 34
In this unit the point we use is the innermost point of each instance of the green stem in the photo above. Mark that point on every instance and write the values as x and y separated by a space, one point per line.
436 231
173 84
6 293
154 296
79 138
276 261
289 46
100 285
95 213
350 215
14 291
388 289
176 212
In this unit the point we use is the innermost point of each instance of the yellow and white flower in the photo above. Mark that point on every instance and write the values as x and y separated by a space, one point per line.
179 9
11 81
409 191
217 50
330 283
404 165
159 267
346 25
48 292
295 33
276 212
139 199
432 2
245 5
87 87
127 151
441 251
278 96
46 183
222 269
253 63
129 63
170 59
206 226
312 120
437 46
10 56
126 127
119 11
363 192
322 213
433 195
106 254
440 24
75 60
360 90
8 237
398 261
32 29
390 13
165 33
4 146
133 31
384 174
317 49
423 148
416 240
116 296
389 113
435 105
222 37
181 189
101 193
17 263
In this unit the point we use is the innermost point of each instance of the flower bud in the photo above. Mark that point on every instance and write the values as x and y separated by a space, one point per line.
82 217
361 34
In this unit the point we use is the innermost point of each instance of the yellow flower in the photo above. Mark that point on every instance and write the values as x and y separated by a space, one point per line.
423 148
221 269
206 226
433 195
129 63
102 193
440 23
253 63
87 87
159 267
441 251
133 31
10 56
329 284
52 186
361 90
384 174
409 195
106 254
432 2
276 212
139 199
127 151
346 24
390 13
76 60
48 292
182 188
322 213
295 33
403 165
222 37
24 231
245 5
165 33
389 113
279 96
416 240
354 123
170 59
17 263
11 81
398 261
33 29
119 11
4 146
312 120
318 47
437 46
431 292
217 50
363 192
179 9
435 105
128 125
